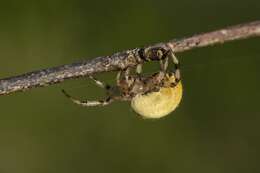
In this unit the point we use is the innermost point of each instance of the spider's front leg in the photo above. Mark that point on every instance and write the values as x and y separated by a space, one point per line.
104 102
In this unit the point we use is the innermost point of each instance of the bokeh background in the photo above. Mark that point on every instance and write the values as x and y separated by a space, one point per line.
215 129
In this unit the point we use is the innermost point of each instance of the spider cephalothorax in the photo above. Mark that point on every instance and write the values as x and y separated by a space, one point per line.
151 96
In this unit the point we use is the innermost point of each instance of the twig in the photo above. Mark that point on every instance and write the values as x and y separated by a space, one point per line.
122 60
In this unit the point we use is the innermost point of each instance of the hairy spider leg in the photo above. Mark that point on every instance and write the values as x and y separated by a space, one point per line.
104 102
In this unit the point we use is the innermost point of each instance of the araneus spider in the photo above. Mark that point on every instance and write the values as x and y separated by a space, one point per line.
151 96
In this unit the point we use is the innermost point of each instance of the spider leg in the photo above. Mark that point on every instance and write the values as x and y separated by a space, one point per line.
125 78
127 73
84 103
163 68
139 69
161 65
163 59
164 64
118 77
100 83
123 73
176 63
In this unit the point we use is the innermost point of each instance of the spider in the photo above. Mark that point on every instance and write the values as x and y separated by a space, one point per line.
152 96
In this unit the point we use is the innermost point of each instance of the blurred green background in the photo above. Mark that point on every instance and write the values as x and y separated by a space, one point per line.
215 129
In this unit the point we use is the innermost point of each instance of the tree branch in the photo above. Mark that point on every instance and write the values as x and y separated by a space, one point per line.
122 60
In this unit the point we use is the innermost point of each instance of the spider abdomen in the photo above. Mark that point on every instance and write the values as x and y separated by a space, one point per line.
158 104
